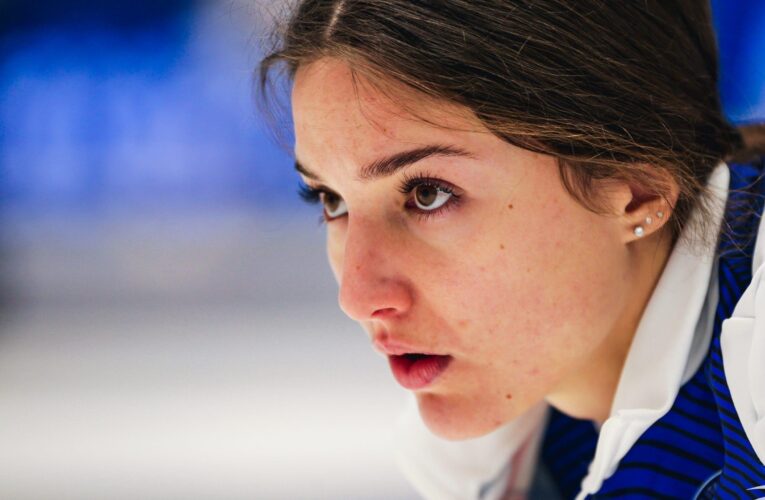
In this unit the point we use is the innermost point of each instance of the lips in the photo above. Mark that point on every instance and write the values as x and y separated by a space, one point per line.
417 370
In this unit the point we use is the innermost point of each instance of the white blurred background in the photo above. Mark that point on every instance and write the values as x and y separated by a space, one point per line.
169 322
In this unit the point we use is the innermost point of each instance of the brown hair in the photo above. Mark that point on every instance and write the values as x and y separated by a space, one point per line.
621 91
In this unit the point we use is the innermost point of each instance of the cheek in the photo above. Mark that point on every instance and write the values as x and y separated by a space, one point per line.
549 296
525 314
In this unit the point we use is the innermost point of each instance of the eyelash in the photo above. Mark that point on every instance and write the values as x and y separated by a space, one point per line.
409 183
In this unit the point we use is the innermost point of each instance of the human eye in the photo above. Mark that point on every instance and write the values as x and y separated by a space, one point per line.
334 205
429 196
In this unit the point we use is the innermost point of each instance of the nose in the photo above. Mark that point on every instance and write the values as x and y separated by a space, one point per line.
372 285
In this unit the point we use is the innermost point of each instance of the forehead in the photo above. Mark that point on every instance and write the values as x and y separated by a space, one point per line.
341 114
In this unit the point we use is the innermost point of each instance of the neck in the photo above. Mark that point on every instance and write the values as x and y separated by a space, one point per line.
588 392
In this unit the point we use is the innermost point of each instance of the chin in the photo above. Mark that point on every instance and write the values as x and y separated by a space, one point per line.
456 421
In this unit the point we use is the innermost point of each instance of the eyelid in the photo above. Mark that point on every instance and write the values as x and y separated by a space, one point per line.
410 181
311 193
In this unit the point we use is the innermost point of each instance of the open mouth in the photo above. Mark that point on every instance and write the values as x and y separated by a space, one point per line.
417 370
412 356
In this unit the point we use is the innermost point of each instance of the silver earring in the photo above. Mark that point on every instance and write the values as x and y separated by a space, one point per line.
648 220
639 231
659 214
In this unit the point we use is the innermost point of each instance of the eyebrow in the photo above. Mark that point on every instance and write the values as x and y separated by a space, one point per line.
389 165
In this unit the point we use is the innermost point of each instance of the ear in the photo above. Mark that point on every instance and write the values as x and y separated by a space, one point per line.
642 212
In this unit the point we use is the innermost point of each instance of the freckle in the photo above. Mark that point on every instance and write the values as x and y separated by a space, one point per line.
501 246
358 267
508 396
510 205
462 323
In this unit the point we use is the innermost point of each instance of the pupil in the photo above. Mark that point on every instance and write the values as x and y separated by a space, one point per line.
331 202
426 195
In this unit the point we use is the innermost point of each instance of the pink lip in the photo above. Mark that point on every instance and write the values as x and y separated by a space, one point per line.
387 347
393 348
415 371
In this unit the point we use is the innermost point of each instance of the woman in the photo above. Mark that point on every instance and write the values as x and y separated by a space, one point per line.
529 212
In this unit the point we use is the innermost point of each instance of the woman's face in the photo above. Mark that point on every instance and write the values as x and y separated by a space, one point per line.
469 248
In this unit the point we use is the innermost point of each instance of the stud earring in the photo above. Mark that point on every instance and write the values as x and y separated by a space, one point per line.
659 214
639 231
648 220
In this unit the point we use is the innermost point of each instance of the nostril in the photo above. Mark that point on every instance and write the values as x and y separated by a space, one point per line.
386 311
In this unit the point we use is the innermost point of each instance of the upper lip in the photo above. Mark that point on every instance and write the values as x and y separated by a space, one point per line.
391 347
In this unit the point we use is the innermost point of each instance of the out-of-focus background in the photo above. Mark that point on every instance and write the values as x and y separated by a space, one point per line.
169 323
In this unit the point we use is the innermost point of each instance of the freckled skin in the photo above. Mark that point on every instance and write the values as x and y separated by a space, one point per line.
549 317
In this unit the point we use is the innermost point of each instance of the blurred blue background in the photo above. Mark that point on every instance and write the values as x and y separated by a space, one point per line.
112 106
170 320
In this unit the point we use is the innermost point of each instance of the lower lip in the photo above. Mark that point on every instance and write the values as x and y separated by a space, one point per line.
418 372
